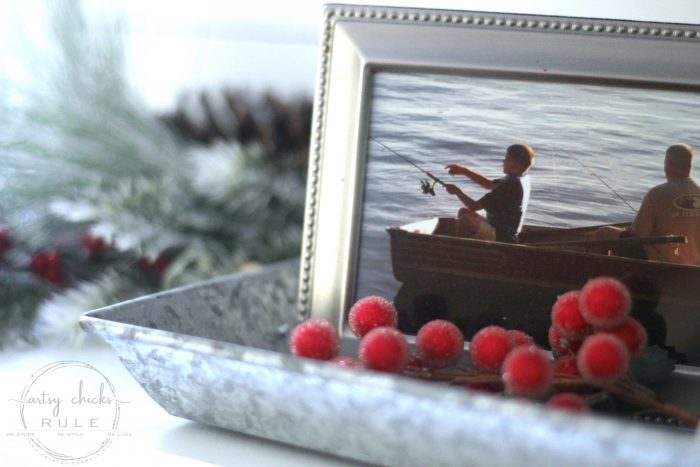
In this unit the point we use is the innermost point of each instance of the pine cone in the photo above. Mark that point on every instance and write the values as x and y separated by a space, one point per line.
226 114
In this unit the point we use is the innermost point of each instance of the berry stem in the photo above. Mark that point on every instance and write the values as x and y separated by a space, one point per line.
642 396
624 388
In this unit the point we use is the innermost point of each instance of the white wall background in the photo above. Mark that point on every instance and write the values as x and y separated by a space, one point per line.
173 46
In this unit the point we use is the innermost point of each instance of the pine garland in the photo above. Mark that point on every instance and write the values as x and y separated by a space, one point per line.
102 201
228 115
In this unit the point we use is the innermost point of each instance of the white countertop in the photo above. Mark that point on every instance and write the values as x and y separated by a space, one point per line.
152 436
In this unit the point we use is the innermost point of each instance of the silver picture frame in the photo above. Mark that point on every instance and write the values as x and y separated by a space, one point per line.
359 42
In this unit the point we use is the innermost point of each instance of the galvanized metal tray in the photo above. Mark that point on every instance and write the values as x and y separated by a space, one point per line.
216 353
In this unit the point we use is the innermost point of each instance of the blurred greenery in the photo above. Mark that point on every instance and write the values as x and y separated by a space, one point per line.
123 201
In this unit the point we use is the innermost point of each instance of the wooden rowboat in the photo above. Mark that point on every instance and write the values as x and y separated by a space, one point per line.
475 283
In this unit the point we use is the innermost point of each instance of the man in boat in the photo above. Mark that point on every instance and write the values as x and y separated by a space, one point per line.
505 203
672 208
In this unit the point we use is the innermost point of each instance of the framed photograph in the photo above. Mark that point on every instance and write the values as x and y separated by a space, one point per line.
412 103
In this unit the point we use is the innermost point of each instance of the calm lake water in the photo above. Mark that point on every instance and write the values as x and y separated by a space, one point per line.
577 130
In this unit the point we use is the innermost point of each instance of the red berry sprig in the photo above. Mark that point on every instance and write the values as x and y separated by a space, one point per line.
371 312
567 318
153 268
632 334
315 338
520 338
440 344
384 349
95 246
605 302
47 265
527 372
603 359
561 345
489 347
593 326
5 241
566 365
591 336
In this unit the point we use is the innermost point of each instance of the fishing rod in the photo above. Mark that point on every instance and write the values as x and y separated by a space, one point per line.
653 245
606 184
425 185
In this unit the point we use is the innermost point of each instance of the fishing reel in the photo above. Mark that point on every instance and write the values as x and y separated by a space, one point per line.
427 188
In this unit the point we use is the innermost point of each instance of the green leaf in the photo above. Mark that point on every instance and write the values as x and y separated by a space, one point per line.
653 366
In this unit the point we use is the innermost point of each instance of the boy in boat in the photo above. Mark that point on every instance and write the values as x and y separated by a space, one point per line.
670 208
505 203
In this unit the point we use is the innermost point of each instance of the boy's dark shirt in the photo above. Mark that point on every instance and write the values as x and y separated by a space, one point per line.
504 207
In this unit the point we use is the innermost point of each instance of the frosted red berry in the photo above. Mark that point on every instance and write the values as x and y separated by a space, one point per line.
632 334
439 343
153 269
371 312
568 401
567 317
489 347
518 337
384 349
602 359
561 345
346 362
5 241
527 372
314 338
95 246
566 364
605 302
48 266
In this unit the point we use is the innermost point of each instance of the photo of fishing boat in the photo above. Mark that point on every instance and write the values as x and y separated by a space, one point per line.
476 283
600 148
